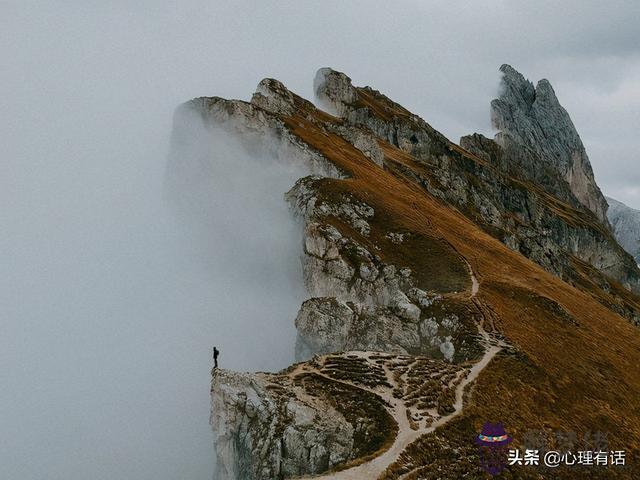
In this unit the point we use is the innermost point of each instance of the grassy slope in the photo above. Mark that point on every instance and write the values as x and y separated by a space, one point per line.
566 376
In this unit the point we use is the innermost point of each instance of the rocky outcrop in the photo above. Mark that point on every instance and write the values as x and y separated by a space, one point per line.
331 410
255 439
360 302
625 222
259 129
297 422
541 141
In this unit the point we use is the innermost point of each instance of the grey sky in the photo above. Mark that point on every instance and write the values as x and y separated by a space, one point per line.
439 58
105 321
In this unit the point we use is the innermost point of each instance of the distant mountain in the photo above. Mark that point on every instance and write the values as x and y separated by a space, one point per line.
625 222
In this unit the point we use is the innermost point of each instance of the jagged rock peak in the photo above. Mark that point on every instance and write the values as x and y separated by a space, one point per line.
272 95
531 118
332 89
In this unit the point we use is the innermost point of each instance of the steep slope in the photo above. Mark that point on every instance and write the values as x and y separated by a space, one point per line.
625 223
532 210
401 256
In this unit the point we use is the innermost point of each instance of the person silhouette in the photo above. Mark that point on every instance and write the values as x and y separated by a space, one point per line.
216 352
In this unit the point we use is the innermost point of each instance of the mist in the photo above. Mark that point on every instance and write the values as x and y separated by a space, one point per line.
110 302
226 194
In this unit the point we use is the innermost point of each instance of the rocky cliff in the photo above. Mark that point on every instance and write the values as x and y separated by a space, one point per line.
541 142
625 222
361 299
445 286
294 423
332 411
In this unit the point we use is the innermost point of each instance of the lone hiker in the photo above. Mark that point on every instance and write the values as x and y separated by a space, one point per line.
216 352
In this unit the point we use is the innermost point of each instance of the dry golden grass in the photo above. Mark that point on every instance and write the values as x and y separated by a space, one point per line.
374 428
565 376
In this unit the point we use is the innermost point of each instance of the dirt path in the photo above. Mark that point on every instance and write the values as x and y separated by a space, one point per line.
406 435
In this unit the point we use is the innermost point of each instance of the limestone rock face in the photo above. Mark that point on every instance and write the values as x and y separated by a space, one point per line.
539 134
625 222
259 128
330 85
360 302
268 427
319 414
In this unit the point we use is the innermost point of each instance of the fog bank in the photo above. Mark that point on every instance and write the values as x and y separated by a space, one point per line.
115 299
227 194
109 307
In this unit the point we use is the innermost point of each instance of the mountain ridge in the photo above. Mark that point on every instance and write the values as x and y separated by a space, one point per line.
396 258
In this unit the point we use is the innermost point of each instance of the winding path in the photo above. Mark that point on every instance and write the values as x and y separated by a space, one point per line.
406 435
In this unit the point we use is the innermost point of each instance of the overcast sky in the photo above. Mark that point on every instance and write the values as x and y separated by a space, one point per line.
439 58
105 322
